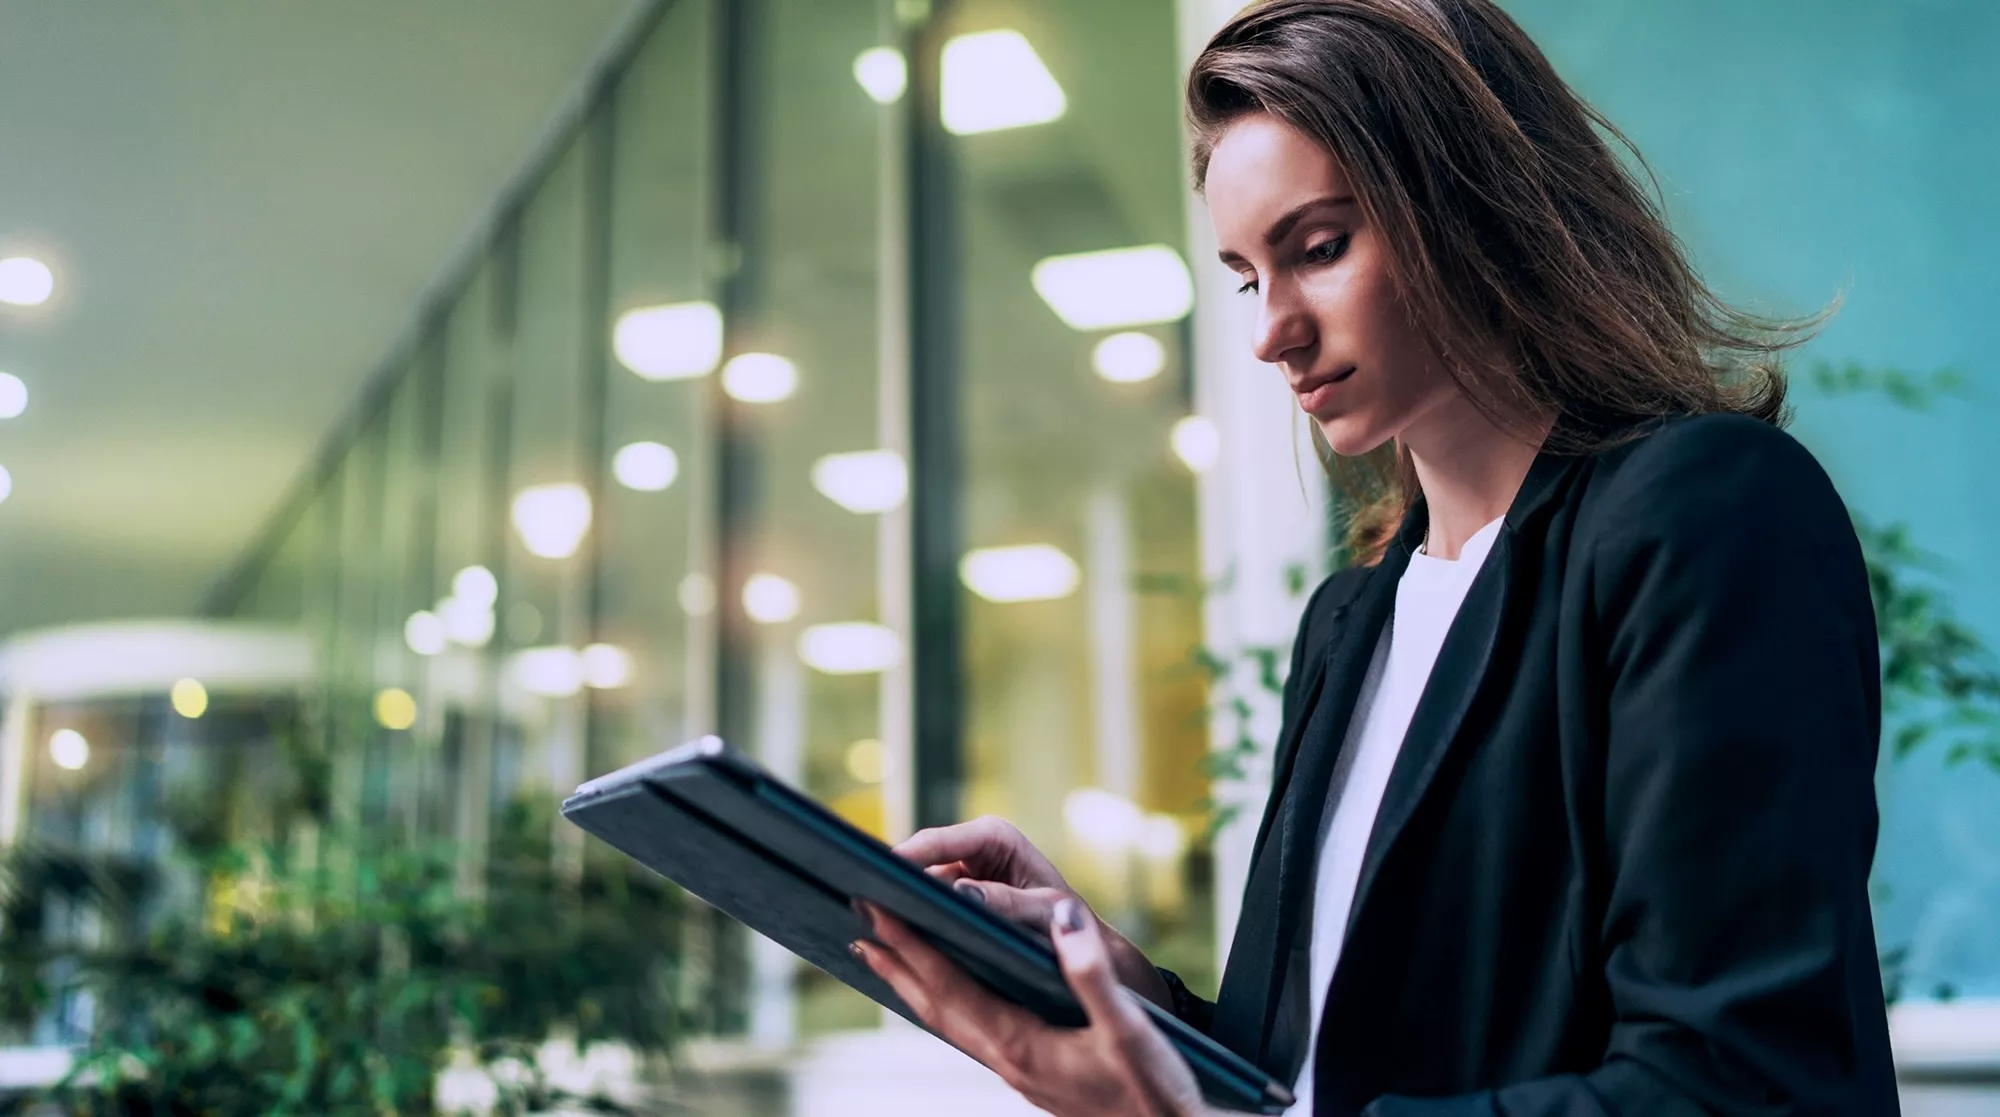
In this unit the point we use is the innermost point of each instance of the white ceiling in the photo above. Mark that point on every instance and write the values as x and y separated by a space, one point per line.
244 201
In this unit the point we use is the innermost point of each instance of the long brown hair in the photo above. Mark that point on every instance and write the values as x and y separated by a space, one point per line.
1544 274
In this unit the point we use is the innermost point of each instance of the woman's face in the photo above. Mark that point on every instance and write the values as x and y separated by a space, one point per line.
1328 316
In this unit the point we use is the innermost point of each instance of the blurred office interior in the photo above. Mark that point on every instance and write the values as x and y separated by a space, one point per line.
416 409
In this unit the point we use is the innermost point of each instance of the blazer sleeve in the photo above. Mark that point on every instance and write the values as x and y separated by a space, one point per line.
1741 698
1193 1010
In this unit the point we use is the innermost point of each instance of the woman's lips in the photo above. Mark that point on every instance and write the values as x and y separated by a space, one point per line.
1312 400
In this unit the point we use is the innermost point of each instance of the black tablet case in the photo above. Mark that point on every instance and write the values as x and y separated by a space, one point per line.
700 815
812 923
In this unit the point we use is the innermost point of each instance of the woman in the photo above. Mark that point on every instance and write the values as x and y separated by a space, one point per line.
1573 807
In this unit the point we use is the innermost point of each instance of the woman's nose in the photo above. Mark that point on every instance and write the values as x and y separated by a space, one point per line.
1282 326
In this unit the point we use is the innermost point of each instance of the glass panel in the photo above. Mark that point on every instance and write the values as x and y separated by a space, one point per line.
321 530
391 774
361 560
350 724
656 431
542 588
467 519
470 477
812 294
1082 712
279 596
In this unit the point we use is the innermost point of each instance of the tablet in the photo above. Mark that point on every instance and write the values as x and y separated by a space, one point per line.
713 822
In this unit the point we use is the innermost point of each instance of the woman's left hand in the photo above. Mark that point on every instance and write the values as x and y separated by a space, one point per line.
1118 1064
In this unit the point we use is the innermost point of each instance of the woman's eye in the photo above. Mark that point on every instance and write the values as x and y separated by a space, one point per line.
1249 285
1329 250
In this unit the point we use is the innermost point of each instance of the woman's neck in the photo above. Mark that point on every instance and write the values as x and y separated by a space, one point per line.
1469 468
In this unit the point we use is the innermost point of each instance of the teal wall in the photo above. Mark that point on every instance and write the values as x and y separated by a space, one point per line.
1814 149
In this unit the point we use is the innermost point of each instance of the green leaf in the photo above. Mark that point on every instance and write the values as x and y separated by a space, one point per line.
342 1085
244 1038
203 1043
1266 658
1221 766
1210 664
1907 390
1295 578
1218 819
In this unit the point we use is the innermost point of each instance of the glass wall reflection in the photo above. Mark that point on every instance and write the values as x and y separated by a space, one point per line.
1083 721
649 469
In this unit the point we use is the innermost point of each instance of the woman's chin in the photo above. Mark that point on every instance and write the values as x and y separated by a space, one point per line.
1350 437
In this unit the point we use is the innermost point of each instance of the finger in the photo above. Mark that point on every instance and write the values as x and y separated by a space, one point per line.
1086 964
976 842
946 984
930 967
1032 908
948 872
952 1004
891 968
1150 1066
930 1005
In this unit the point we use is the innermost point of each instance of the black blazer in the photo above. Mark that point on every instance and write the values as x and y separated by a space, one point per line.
1621 867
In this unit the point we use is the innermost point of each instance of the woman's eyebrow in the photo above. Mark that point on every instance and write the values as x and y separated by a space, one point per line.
1283 226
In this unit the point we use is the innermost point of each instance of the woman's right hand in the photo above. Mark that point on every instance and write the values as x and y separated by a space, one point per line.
991 861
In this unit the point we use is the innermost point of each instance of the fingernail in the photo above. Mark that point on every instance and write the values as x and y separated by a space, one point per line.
1069 916
855 949
970 891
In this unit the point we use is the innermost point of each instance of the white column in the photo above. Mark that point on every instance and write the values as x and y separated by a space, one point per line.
569 718
1262 510
1114 671
14 763
894 576
781 748
896 726
1114 679
701 586
700 591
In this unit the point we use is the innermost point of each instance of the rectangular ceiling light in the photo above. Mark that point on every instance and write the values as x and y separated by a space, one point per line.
864 481
994 80
673 342
1116 288
1030 572
850 648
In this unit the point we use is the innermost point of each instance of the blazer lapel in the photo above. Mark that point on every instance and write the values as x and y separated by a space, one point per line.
1440 713
1297 826
1241 1020
1281 874
1455 680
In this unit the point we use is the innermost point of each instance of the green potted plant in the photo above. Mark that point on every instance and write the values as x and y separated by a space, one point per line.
330 971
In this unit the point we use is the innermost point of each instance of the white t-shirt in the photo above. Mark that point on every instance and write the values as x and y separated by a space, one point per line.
1427 599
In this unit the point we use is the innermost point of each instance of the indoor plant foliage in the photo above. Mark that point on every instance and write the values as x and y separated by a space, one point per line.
335 971
1940 682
